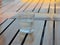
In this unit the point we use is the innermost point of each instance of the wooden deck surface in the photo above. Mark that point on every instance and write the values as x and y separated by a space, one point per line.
46 32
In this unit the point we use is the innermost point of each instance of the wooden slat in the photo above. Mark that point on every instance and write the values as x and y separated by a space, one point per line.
10 32
52 7
57 11
57 32
16 7
58 8
2 20
3 26
35 38
43 10
22 6
48 36
26 6
44 7
33 4
38 6
45 40
4 9
18 39
8 14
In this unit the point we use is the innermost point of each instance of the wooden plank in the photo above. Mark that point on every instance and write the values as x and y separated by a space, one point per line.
22 6
33 4
57 17
43 8
58 8
4 9
48 36
51 7
45 40
2 20
10 32
26 6
57 32
18 39
16 7
33 38
38 6
20 36
8 14
3 26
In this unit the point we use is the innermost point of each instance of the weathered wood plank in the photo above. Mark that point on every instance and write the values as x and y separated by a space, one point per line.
57 32
33 4
38 6
2 20
44 8
10 32
51 7
4 9
18 39
58 8
16 7
48 36
33 38
26 6
8 14
3 26
22 6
